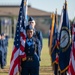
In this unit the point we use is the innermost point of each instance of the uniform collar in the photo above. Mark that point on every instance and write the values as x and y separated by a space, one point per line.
29 39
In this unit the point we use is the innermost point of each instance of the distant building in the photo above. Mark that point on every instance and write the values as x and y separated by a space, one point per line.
9 14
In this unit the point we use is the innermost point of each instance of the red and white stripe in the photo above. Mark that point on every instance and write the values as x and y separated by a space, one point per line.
18 54
71 70
22 46
14 62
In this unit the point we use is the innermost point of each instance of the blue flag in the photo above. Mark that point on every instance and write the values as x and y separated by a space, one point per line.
64 39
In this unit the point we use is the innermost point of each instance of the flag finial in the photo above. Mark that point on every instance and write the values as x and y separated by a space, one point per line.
65 4
25 2
56 11
52 15
56 17
63 7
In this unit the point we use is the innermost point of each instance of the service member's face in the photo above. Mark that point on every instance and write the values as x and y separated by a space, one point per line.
32 23
30 33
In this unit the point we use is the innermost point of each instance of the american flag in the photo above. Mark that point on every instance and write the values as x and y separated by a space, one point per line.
72 56
19 41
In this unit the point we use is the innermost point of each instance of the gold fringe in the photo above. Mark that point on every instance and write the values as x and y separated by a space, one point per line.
61 71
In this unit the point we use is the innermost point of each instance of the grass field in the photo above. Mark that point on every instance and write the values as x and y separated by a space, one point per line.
45 57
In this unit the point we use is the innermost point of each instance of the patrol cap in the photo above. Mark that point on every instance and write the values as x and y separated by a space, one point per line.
29 27
31 19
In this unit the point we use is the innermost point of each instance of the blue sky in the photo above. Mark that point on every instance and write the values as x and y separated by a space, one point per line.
46 5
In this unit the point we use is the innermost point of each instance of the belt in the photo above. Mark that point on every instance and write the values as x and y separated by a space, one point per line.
29 58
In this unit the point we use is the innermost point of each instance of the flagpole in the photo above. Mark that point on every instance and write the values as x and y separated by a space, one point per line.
55 21
25 24
20 68
56 18
25 11
51 32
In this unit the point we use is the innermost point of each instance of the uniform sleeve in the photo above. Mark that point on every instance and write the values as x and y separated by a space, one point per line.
40 39
38 48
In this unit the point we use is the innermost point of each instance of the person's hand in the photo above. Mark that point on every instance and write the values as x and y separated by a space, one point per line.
23 59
